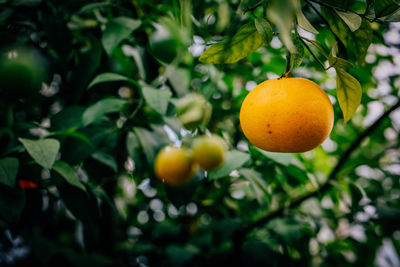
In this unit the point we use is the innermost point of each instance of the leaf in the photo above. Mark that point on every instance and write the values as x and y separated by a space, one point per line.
337 62
356 42
282 15
110 77
8 171
75 135
243 43
67 118
12 203
157 99
385 7
234 160
116 31
319 46
349 93
302 21
148 143
68 173
133 149
297 56
106 159
258 184
101 108
264 29
281 158
351 19
90 7
43 151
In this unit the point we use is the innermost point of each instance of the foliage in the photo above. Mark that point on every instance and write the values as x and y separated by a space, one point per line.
114 76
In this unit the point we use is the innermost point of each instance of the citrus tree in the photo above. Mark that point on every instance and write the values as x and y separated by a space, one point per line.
123 142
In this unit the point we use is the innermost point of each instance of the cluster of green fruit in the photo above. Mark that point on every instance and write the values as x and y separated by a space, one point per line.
176 166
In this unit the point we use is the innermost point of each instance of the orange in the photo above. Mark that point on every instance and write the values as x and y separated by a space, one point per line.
209 152
287 115
174 166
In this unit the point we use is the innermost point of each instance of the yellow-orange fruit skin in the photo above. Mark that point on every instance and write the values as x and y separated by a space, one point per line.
209 152
174 166
287 115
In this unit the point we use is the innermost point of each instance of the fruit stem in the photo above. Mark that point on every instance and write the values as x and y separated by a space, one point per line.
287 73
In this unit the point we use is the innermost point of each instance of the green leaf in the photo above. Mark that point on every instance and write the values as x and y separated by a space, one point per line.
302 21
319 46
110 77
356 42
73 134
282 14
90 7
297 56
67 118
101 108
337 62
43 151
351 19
8 171
116 31
348 92
281 158
148 143
68 173
133 149
234 160
243 43
106 159
157 99
264 29
385 7
258 184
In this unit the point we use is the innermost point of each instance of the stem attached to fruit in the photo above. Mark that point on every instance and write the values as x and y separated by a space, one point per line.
288 71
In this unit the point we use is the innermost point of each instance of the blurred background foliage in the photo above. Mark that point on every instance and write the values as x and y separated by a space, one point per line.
91 91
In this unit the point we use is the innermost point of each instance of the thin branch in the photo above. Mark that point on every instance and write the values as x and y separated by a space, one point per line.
327 185
251 9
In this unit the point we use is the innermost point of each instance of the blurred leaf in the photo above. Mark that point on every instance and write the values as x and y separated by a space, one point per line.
234 160
90 7
148 143
243 43
8 171
302 21
258 184
106 159
110 77
67 118
43 151
264 29
281 158
282 14
133 149
352 20
385 7
68 174
75 135
157 99
116 31
348 92
101 108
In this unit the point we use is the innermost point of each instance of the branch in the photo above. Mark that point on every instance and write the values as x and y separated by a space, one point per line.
251 9
327 185
312 53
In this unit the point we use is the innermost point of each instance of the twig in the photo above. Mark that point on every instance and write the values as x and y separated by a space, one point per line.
251 9
326 186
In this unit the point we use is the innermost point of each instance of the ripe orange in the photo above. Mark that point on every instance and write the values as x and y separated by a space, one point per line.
287 115
209 152
174 166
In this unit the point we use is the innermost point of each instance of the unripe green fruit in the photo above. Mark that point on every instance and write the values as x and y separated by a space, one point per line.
193 110
209 152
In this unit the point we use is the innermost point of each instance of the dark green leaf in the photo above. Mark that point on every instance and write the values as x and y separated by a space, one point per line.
297 56
243 43
356 42
234 160
148 143
8 171
116 31
385 7
12 203
101 108
106 159
110 77
349 93
43 151
157 99
337 62
68 173
67 118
